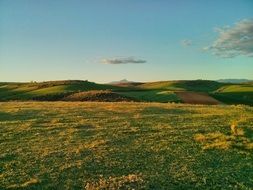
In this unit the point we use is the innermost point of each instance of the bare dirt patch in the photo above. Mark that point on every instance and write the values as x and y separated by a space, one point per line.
197 98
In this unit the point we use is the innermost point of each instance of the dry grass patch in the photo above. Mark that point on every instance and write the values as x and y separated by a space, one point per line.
218 140
127 182
26 184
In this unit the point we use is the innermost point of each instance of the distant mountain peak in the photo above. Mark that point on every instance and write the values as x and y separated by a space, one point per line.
121 81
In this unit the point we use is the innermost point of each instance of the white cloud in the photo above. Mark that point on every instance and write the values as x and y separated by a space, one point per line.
234 41
186 43
123 61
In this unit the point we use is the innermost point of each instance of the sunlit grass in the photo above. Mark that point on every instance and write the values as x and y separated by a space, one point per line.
75 145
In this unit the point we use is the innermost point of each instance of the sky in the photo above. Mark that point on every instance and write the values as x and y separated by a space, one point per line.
138 40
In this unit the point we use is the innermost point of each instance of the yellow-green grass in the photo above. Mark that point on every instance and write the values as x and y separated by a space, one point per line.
237 88
14 89
235 94
77 145
152 95
188 85
24 92
168 85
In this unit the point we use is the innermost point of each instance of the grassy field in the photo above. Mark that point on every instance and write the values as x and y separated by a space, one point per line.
78 145
186 85
235 94
152 95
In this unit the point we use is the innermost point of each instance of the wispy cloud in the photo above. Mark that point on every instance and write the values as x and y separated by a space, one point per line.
186 43
126 60
234 41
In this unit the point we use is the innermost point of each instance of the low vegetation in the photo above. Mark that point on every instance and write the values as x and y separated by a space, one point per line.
97 95
92 145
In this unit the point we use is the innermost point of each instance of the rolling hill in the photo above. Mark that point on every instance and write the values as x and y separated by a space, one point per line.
202 91
235 94
51 90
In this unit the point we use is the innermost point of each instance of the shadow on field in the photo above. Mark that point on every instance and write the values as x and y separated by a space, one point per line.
84 127
248 133
20 115
159 110
84 131
7 157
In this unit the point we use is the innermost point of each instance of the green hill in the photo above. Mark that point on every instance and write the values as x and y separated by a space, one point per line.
191 85
161 91
235 94
52 90
152 95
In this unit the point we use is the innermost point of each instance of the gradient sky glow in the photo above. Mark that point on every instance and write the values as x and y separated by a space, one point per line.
67 39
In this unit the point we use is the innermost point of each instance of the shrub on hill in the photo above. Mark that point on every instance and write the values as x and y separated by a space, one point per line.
97 95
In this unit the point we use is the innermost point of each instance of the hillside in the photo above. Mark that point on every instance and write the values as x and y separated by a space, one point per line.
51 90
161 91
235 94
97 95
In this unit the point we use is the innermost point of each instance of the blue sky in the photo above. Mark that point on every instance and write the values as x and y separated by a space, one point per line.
103 40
